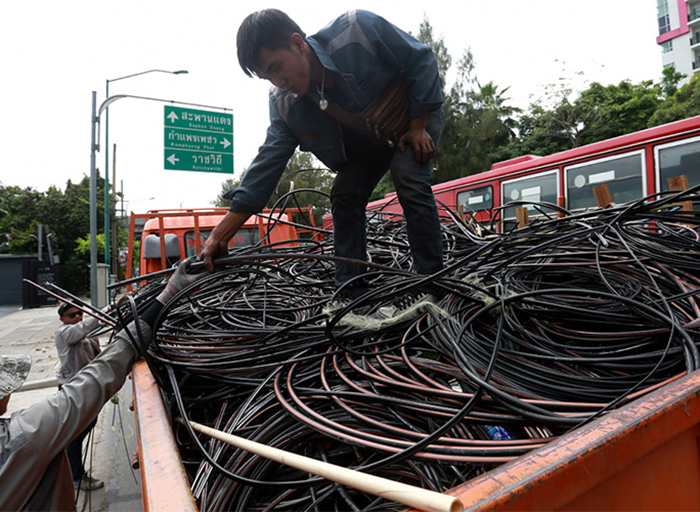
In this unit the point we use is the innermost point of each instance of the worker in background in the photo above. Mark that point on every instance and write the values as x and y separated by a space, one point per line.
75 350
342 68
34 469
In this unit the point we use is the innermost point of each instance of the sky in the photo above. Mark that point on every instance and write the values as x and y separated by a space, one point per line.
55 53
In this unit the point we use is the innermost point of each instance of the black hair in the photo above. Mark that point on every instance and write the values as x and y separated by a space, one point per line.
63 308
269 28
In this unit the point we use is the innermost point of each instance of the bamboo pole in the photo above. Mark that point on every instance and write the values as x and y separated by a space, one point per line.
415 497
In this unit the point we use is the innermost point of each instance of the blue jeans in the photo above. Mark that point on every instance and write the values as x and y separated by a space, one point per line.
352 187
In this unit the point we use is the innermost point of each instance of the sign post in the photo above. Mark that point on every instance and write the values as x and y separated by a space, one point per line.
198 140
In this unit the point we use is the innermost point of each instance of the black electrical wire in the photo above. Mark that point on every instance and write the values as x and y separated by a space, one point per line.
536 331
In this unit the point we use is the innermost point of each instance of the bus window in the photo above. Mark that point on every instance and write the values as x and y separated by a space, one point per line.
475 199
624 176
244 237
677 159
536 188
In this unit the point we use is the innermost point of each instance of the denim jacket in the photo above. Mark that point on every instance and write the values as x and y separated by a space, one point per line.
364 52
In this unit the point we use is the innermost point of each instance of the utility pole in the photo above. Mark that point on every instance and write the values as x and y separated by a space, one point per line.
93 202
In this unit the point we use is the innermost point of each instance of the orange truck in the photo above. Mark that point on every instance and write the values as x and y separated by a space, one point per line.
644 456
171 235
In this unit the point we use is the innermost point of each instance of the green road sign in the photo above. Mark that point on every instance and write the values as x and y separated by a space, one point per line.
198 140
203 161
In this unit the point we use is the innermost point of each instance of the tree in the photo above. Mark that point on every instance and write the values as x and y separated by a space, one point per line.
478 120
489 99
563 119
683 104
558 116
227 186
302 172
616 109
670 78
442 56
18 207
83 244
63 215
538 134
450 160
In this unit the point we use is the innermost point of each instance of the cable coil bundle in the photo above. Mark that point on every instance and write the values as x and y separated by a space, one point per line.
534 332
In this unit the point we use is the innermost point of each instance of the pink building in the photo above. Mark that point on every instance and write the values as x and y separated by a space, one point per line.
679 35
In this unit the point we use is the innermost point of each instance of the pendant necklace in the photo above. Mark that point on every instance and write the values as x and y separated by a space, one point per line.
322 102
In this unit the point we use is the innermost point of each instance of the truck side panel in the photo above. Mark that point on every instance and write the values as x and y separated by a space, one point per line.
164 484
645 456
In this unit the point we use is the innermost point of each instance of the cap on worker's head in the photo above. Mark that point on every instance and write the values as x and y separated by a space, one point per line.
63 308
13 373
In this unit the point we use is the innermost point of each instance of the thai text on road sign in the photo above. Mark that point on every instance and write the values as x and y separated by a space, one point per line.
198 140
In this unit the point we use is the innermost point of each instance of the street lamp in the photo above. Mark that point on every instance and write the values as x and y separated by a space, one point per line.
107 205
94 148
132 203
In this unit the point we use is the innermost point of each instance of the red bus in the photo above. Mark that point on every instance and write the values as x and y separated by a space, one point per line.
632 166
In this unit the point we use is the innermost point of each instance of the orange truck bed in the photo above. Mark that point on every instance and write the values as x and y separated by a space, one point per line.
644 456
164 484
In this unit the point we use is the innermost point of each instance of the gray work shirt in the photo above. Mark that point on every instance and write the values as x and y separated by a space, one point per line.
34 470
75 349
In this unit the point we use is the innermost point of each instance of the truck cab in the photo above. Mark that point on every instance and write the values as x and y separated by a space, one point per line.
172 235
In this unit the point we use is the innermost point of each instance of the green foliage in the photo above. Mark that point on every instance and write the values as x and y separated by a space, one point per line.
538 135
228 185
477 122
670 78
384 187
617 109
65 217
82 247
442 56
478 118
683 104
302 172
18 208
563 119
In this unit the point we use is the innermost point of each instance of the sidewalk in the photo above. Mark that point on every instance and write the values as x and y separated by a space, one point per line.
30 331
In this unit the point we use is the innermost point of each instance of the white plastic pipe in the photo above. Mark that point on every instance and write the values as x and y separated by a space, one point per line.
415 497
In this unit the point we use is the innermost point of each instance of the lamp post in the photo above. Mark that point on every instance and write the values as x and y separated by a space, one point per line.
107 201
94 148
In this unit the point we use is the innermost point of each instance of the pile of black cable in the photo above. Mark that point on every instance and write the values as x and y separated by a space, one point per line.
532 332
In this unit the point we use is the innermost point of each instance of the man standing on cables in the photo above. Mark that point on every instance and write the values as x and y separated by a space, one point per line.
365 98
